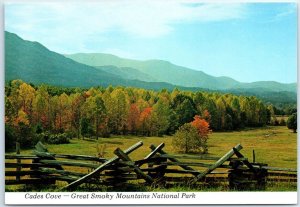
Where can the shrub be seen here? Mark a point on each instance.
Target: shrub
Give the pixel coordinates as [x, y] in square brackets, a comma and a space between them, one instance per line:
[292, 122]
[38, 128]
[58, 139]
[38, 137]
[70, 134]
[46, 137]
[10, 137]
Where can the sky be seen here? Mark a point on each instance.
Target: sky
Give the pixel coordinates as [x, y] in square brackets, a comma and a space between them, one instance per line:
[245, 41]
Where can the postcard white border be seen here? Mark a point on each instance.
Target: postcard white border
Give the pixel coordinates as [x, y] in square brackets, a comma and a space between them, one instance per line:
[179, 198]
[18, 198]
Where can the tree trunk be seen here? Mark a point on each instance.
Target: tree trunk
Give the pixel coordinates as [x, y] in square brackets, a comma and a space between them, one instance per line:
[97, 130]
[186, 145]
[78, 132]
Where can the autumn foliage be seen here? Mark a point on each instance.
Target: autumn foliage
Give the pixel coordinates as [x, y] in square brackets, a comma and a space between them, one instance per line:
[201, 125]
[203, 130]
[100, 112]
[133, 118]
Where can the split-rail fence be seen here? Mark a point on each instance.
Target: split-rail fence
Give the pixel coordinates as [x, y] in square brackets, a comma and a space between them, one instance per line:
[157, 168]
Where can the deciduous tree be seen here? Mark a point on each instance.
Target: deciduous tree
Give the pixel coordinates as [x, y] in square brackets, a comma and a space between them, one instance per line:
[162, 110]
[133, 118]
[186, 139]
[203, 130]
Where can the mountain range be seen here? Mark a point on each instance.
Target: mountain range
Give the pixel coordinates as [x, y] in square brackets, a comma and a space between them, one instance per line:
[164, 71]
[33, 62]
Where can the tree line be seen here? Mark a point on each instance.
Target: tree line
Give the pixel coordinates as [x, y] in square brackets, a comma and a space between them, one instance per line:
[100, 112]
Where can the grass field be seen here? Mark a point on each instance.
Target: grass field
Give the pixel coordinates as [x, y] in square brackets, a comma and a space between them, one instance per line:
[275, 146]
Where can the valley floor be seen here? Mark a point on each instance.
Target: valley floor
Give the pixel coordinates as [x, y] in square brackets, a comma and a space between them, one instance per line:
[276, 146]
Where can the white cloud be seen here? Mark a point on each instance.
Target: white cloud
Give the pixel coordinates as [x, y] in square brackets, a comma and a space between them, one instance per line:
[281, 13]
[143, 18]
[73, 22]
[288, 10]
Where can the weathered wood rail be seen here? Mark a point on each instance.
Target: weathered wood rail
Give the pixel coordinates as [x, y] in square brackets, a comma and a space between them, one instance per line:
[156, 168]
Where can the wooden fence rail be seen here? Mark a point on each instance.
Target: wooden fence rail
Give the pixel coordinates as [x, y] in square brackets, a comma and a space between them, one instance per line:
[156, 168]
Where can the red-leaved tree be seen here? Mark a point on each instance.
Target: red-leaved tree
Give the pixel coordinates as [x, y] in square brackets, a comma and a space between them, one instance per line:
[133, 118]
[203, 130]
[144, 121]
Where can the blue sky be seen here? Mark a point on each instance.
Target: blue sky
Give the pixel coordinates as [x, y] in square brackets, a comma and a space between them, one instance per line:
[246, 41]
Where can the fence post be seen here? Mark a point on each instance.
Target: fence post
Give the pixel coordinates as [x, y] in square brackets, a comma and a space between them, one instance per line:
[18, 161]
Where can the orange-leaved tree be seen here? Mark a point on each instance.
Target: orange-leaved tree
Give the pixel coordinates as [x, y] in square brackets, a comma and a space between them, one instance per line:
[202, 126]
[133, 118]
[145, 121]
[203, 130]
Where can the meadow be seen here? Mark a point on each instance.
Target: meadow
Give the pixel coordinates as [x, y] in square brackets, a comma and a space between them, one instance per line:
[275, 146]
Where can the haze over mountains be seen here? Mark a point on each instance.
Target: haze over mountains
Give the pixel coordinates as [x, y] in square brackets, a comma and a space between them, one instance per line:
[163, 71]
[32, 62]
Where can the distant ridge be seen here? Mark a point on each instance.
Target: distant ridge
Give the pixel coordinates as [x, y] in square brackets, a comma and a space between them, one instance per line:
[164, 71]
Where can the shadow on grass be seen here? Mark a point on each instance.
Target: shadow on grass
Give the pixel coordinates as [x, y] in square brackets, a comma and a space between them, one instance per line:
[103, 141]
[124, 137]
[113, 142]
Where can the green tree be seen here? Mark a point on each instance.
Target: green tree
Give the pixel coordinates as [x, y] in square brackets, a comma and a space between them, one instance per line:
[211, 108]
[100, 113]
[27, 95]
[236, 113]
[221, 107]
[10, 111]
[292, 122]
[77, 101]
[184, 108]
[13, 95]
[23, 129]
[117, 106]
[95, 111]
[199, 101]
[271, 114]
[86, 128]
[41, 107]
[162, 110]
[186, 139]
[63, 118]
